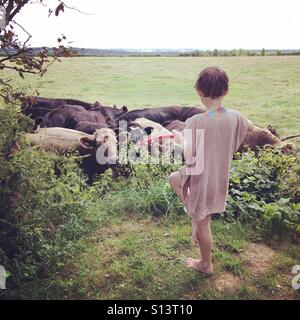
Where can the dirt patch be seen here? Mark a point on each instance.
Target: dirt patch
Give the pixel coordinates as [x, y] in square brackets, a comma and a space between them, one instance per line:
[226, 282]
[258, 258]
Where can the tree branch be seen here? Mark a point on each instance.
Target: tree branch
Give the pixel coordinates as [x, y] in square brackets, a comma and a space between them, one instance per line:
[16, 23]
[76, 9]
[10, 56]
[17, 9]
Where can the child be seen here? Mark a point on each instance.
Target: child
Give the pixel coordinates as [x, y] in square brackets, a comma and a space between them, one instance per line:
[202, 184]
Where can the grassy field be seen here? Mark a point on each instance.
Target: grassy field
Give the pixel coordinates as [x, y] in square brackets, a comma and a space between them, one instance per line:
[132, 257]
[266, 89]
[142, 257]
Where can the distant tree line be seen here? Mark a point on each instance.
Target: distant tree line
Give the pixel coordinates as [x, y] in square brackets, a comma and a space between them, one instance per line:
[86, 52]
[239, 52]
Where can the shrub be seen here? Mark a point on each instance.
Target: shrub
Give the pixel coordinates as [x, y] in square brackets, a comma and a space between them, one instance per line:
[264, 189]
[280, 217]
[45, 205]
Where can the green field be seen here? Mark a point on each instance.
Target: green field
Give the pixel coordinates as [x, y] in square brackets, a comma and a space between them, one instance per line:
[266, 89]
[132, 255]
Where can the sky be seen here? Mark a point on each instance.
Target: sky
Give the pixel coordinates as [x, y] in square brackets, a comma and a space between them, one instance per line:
[143, 24]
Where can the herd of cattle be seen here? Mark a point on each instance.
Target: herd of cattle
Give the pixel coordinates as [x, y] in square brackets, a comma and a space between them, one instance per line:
[67, 123]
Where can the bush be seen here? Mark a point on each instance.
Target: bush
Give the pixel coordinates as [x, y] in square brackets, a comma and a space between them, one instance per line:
[264, 189]
[280, 217]
[45, 205]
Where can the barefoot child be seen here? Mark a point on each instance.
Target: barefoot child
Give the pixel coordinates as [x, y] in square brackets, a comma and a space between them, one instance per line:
[202, 184]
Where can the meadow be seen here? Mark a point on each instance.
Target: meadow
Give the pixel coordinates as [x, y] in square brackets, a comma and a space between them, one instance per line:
[265, 89]
[141, 236]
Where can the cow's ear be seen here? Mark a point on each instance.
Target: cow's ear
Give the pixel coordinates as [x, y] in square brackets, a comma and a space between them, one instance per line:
[87, 142]
[148, 130]
[124, 109]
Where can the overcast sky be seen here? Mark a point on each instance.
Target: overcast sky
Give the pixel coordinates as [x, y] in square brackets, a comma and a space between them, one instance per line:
[209, 24]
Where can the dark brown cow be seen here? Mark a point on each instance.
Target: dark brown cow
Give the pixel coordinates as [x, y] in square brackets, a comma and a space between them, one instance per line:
[69, 116]
[38, 106]
[257, 138]
[162, 115]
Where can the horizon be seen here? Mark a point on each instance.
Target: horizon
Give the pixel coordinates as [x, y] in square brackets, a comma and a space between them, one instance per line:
[177, 49]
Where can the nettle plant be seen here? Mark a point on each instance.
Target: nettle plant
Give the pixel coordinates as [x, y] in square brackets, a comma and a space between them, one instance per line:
[264, 190]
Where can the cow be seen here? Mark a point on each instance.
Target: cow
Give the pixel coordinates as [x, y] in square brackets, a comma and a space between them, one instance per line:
[263, 138]
[70, 116]
[151, 127]
[162, 115]
[38, 106]
[254, 139]
[155, 136]
[99, 150]
[61, 117]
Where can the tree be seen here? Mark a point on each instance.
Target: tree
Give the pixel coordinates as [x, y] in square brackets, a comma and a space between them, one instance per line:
[263, 52]
[18, 55]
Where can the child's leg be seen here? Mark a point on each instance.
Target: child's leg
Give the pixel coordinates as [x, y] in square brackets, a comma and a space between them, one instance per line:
[175, 181]
[202, 235]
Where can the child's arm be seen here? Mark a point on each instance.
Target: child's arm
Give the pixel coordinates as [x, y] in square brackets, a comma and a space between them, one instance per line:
[187, 151]
[244, 126]
[192, 141]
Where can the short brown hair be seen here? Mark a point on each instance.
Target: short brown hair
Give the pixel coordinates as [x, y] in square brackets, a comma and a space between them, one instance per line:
[212, 82]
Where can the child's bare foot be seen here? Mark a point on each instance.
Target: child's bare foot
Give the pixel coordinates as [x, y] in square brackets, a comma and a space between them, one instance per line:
[199, 266]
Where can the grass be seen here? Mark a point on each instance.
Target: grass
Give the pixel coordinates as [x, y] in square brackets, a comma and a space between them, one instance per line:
[134, 256]
[266, 89]
[131, 257]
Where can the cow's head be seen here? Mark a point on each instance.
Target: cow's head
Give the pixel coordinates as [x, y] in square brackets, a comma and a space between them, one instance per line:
[287, 148]
[127, 131]
[103, 143]
[120, 111]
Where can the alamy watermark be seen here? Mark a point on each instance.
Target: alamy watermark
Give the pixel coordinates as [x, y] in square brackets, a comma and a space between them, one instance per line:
[135, 147]
[296, 279]
[2, 278]
[162, 146]
[2, 17]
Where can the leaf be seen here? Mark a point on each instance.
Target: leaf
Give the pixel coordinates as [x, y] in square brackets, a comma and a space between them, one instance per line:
[59, 8]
